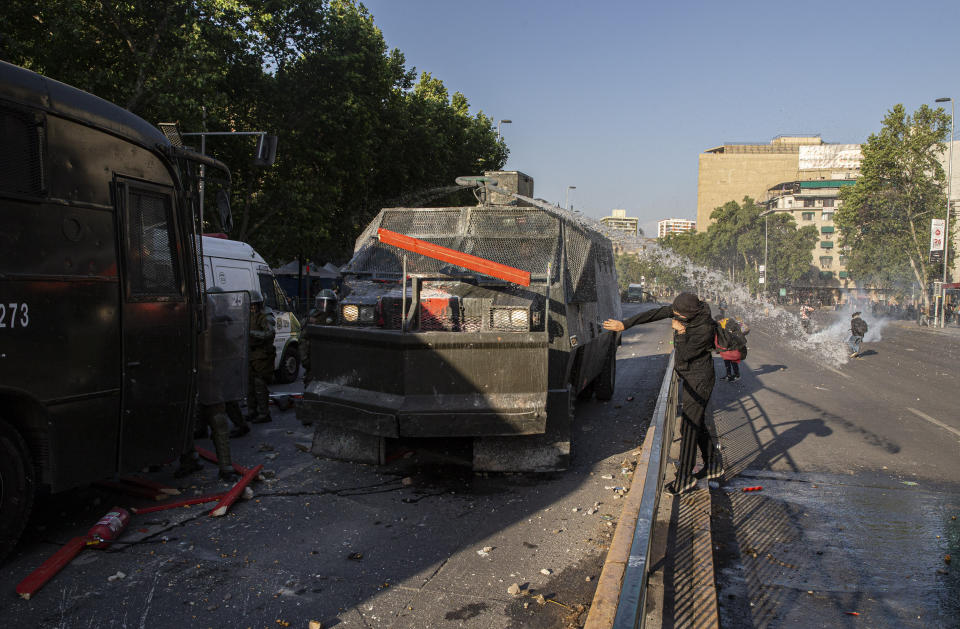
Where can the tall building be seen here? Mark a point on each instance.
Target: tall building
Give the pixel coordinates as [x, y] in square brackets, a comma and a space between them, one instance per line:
[619, 221]
[733, 171]
[675, 226]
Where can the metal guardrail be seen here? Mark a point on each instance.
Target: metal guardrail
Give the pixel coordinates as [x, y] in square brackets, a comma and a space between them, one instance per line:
[633, 593]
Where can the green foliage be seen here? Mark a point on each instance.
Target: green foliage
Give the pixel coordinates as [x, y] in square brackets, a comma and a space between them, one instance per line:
[356, 131]
[632, 268]
[885, 216]
[734, 243]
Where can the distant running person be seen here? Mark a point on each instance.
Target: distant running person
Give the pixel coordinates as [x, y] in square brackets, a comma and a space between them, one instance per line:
[858, 329]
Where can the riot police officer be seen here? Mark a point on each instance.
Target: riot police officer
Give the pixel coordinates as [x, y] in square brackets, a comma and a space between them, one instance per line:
[314, 317]
[263, 330]
[223, 353]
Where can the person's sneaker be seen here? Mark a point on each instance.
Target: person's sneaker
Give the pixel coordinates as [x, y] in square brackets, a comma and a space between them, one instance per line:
[261, 419]
[727, 378]
[673, 489]
[734, 378]
[239, 431]
[853, 355]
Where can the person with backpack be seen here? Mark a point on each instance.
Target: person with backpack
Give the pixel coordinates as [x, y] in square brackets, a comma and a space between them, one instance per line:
[694, 333]
[858, 329]
[731, 342]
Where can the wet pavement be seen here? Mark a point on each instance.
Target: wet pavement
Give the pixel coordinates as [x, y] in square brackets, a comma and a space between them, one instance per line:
[860, 470]
[420, 542]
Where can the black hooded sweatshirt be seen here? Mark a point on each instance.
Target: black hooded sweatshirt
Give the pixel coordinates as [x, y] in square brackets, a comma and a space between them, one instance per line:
[694, 347]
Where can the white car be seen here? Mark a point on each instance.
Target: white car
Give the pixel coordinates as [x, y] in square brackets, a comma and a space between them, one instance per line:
[234, 265]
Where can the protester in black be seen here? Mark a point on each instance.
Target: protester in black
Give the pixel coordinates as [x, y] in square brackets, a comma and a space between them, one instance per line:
[693, 342]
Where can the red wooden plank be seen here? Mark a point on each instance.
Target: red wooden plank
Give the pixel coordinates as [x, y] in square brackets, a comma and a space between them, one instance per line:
[149, 484]
[181, 503]
[210, 456]
[459, 258]
[224, 505]
[38, 578]
[132, 490]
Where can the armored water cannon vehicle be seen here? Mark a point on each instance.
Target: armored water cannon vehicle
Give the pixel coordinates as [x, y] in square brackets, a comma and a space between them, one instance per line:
[481, 322]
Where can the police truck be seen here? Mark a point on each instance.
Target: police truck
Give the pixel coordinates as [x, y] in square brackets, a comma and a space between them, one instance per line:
[100, 291]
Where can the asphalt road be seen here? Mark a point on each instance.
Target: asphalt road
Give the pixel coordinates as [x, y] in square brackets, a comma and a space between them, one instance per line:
[353, 545]
[860, 470]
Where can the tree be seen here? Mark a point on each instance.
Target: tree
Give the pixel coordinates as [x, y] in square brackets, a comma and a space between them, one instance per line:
[356, 130]
[734, 243]
[885, 217]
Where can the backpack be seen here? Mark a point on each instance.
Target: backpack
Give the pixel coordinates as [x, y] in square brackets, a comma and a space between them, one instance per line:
[729, 337]
[859, 327]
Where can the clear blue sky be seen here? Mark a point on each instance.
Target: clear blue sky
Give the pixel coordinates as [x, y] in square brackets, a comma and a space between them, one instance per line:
[618, 98]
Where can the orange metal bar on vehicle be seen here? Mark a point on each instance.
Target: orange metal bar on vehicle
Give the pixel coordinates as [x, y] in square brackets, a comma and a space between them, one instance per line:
[459, 258]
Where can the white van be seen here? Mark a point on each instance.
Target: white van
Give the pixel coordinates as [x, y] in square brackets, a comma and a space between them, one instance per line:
[234, 265]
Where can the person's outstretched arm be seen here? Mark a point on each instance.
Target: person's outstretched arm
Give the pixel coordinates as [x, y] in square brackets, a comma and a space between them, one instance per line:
[654, 314]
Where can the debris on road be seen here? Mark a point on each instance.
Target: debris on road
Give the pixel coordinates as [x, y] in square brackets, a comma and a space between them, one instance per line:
[514, 590]
[755, 488]
[546, 571]
[117, 577]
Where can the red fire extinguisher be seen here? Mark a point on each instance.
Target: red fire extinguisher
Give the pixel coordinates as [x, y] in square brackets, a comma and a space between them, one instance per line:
[108, 528]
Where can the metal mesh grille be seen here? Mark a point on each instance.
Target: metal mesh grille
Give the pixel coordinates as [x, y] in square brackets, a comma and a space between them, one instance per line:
[21, 153]
[151, 270]
[581, 266]
[525, 239]
[509, 319]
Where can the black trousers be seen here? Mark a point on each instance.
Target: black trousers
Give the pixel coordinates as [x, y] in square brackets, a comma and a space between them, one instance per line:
[733, 367]
[694, 435]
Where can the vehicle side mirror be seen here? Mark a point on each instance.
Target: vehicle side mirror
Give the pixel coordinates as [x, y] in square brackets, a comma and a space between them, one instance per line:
[266, 151]
[223, 210]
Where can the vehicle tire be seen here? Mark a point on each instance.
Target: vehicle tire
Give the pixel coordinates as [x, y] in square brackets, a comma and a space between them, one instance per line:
[289, 367]
[605, 382]
[16, 487]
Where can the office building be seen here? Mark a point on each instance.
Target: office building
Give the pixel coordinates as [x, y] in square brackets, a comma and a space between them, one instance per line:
[675, 226]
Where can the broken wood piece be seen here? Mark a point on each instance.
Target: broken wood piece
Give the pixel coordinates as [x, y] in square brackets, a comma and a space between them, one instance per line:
[39, 577]
[149, 484]
[132, 490]
[210, 456]
[181, 503]
[224, 505]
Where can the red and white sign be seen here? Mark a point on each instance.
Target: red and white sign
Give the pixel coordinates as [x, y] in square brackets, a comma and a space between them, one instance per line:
[937, 226]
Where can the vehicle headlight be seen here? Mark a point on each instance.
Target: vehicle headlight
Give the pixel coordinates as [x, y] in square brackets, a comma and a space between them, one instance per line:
[351, 312]
[367, 314]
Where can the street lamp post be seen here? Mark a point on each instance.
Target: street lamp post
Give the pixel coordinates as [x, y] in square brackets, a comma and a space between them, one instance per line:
[500, 122]
[946, 224]
[566, 197]
[765, 267]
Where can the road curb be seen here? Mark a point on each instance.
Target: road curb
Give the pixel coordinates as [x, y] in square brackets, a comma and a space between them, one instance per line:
[603, 609]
